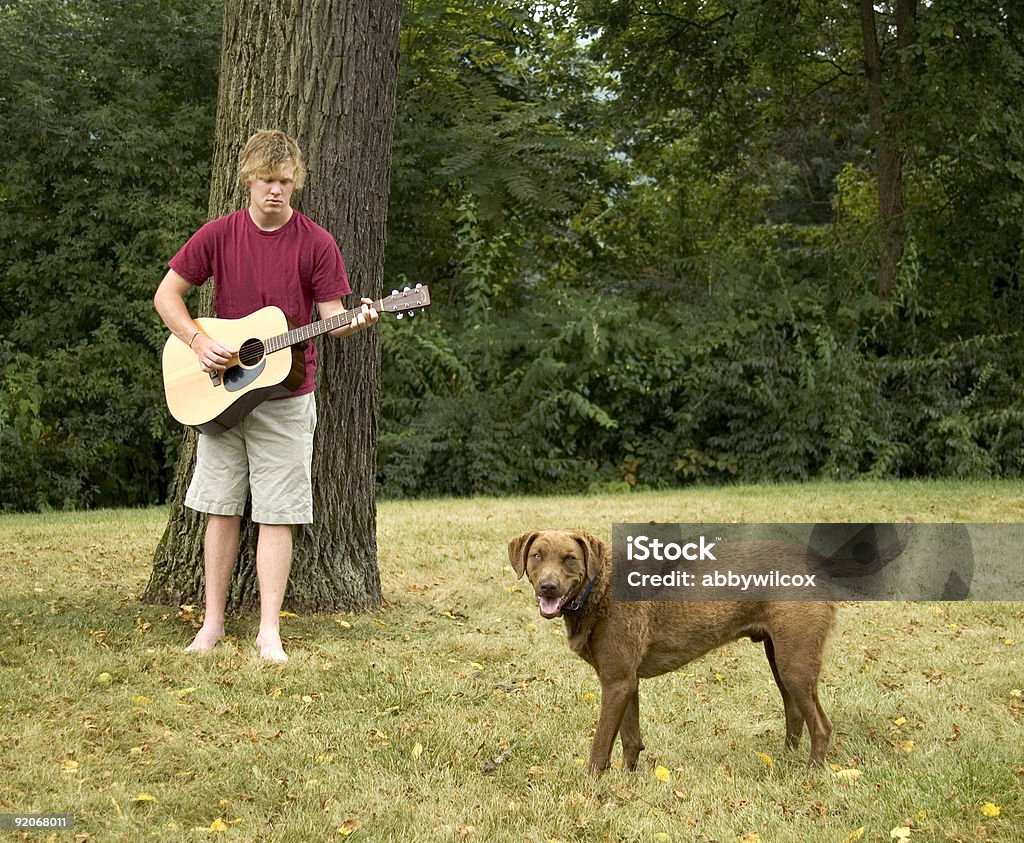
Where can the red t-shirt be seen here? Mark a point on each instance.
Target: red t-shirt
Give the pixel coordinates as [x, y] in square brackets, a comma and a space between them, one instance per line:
[292, 267]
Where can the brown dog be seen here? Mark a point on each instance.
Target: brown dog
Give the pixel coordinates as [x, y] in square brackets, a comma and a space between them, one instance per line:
[627, 641]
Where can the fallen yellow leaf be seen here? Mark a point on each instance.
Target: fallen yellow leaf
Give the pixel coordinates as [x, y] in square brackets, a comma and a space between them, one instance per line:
[990, 809]
[901, 832]
[417, 750]
[847, 776]
[218, 826]
[854, 835]
[145, 797]
[285, 614]
[141, 700]
[69, 768]
[662, 774]
[899, 721]
[766, 759]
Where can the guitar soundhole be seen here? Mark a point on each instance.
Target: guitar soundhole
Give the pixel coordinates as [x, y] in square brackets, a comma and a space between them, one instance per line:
[251, 352]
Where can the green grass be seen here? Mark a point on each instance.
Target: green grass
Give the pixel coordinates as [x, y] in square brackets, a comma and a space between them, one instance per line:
[456, 713]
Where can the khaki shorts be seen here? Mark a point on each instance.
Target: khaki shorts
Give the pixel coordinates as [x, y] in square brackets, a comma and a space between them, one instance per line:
[270, 454]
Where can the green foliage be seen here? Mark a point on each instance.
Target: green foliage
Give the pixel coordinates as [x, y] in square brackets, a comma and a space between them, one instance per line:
[599, 392]
[489, 115]
[650, 231]
[753, 359]
[106, 131]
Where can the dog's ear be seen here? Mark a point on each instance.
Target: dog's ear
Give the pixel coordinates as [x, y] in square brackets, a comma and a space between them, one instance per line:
[518, 549]
[593, 553]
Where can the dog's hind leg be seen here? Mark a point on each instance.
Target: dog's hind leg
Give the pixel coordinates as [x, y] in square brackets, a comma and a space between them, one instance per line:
[794, 719]
[799, 670]
[821, 731]
[629, 732]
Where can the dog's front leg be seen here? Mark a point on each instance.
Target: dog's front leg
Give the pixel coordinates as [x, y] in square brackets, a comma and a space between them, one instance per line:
[615, 696]
[629, 731]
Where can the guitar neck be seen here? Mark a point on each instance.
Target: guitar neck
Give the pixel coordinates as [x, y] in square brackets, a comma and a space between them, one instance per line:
[315, 329]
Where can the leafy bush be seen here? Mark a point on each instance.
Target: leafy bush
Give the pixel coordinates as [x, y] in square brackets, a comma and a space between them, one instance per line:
[579, 392]
[106, 133]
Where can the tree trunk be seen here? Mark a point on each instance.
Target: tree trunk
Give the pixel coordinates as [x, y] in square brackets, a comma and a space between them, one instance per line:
[886, 121]
[325, 72]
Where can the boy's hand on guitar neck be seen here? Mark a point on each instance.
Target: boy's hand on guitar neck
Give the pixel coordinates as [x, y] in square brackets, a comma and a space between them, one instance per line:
[213, 357]
[366, 317]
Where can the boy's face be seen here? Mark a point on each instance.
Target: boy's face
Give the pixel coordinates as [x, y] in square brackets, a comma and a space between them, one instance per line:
[270, 197]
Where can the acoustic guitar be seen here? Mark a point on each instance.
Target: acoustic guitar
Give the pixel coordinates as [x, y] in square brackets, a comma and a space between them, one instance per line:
[270, 361]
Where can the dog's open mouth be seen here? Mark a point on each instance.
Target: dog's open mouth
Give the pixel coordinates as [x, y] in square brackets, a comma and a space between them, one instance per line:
[551, 607]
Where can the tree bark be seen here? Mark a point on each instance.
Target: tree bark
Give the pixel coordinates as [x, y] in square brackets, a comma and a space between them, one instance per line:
[886, 121]
[324, 72]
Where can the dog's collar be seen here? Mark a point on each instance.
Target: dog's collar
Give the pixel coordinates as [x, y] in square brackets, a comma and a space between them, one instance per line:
[579, 602]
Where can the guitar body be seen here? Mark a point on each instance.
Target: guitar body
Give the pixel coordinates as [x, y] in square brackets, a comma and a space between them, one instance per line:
[270, 361]
[215, 404]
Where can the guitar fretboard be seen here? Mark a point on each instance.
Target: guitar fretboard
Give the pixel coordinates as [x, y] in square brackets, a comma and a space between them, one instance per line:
[315, 329]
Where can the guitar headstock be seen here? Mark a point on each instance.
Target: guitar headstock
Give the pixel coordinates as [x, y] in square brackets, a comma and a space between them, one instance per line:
[408, 301]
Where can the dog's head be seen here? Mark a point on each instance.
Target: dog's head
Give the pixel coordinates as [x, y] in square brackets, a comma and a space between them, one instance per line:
[558, 563]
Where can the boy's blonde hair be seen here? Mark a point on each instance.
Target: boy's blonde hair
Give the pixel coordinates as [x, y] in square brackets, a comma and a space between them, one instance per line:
[266, 153]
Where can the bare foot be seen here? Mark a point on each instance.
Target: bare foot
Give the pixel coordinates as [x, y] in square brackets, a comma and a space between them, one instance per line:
[270, 647]
[206, 639]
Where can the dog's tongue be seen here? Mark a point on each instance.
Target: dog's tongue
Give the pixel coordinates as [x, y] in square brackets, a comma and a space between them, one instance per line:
[549, 606]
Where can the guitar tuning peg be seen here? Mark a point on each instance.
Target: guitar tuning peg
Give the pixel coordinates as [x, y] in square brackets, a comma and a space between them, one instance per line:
[412, 313]
[394, 292]
[406, 290]
[419, 286]
[399, 315]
